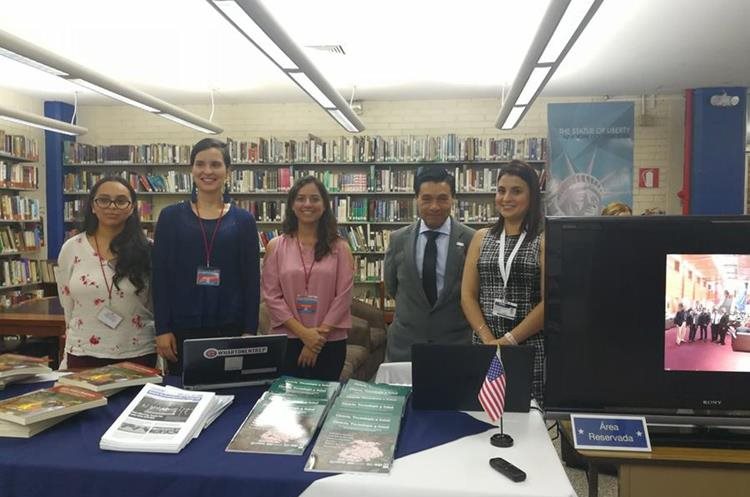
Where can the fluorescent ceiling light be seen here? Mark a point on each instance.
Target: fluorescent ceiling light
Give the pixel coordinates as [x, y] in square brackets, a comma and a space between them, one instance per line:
[111, 94]
[343, 121]
[110, 87]
[254, 33]
[513, 117]
[306, 84]
[571, 20]
[266, 34]
[29, 62]
[185, 123]
[28, 119]
[533, 84]
[559, 28]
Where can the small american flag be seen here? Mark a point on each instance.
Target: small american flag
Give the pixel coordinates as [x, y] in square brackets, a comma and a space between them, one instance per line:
[492, 393]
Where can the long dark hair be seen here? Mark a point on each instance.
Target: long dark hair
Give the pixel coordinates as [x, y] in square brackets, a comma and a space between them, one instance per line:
[532, 221]
[130, 246]
[327, 226]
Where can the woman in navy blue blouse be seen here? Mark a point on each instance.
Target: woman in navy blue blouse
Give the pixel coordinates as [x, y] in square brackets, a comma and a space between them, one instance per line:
[206, 272]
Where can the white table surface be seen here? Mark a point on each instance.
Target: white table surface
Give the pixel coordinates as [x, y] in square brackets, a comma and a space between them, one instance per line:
[461, 468]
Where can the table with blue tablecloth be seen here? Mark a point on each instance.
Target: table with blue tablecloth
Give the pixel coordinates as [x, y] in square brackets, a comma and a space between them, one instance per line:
[438, 453]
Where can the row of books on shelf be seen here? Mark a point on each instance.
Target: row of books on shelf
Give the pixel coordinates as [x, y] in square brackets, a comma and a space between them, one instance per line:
[18, 208]
[154, 153]
[361, 240]
[19, 145]
[14, 272]
[358, 241]
[171, 181]
[15, 239]
[347, 149]
[377, 180]
[450, 147]
[367, 268]
[372, 297]
[73, 210]
[346, 210]
[484, 179]
[18, 175]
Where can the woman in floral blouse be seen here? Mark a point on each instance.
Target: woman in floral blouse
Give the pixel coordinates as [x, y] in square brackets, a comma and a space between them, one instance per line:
[103, 282]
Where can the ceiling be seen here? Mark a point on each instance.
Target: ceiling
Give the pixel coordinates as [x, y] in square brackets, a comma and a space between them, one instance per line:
[181, 50]
[724, 268]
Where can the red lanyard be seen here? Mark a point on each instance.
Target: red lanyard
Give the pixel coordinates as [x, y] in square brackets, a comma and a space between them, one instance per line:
[101, 266]
[304, 267]
[209, 247]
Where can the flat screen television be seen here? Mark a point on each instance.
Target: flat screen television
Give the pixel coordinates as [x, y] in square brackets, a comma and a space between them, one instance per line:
[613, 286]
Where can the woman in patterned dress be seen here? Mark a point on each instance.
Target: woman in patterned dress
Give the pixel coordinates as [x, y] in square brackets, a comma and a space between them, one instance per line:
[103, 282]
[502, 298]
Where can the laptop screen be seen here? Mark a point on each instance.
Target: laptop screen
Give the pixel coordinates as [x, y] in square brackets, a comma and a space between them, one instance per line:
[448, 377]
[232, 361]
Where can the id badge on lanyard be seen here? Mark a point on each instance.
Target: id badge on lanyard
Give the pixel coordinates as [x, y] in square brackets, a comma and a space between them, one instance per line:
[307, 304]
[502, 307]
[208, 275]
[109, 317]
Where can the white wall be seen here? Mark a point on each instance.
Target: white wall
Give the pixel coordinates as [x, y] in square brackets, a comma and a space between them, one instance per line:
[659, 145]
[25, 103]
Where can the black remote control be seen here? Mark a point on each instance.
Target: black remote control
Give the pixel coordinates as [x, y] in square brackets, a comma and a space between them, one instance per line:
[502, 466]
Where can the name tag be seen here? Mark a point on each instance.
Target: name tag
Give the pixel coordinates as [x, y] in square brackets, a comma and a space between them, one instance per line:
[208, 276]
[592, 432]
[109, 317]
[504, 309]
[307, 304]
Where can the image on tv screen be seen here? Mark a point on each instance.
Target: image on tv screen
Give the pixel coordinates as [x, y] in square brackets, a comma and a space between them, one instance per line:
[707, 317]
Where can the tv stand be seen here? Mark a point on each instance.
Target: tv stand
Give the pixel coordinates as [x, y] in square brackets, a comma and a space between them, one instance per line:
[684, 471]
[699, 437]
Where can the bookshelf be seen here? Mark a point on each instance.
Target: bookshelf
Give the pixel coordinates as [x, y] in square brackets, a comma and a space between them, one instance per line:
[21, 227]
[370, 181]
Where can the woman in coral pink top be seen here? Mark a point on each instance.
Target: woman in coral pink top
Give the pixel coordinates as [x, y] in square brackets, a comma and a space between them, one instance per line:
[306, 284]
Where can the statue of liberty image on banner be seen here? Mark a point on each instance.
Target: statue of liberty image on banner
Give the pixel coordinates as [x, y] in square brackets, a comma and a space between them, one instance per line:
[591, 157]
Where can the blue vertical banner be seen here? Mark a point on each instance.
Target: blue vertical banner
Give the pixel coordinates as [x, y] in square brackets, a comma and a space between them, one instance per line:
[591, 157]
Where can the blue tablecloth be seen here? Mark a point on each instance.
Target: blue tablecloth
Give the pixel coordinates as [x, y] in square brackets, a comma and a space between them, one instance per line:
[66, 460]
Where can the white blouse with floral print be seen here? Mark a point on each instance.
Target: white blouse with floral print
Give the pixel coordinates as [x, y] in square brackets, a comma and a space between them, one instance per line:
[83, 294]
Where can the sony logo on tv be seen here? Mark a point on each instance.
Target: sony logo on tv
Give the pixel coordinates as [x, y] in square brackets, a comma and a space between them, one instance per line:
[711, 402]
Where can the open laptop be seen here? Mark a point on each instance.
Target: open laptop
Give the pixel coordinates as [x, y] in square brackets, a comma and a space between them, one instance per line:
[448, 377]
[224, 362]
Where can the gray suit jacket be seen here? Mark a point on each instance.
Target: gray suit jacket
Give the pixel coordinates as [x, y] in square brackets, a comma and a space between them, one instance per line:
[415, 321]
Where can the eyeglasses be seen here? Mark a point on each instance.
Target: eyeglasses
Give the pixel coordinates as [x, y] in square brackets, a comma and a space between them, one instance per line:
[119, 203]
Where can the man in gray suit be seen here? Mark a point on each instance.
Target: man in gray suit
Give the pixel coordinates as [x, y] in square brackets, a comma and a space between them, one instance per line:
[423, 269]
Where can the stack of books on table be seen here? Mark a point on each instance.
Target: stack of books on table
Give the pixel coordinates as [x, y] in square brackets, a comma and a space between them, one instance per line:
[14, 367]
[163, 419]
[361, 430]
[26, 415]
[113, 378]
[285, 418]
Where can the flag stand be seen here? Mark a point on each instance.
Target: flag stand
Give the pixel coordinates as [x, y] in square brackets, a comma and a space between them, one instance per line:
[501, 439]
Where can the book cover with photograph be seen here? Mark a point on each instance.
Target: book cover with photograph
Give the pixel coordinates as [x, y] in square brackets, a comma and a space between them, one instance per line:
[355, 442]
[278, 425]
[114, 376]
[49, 403]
